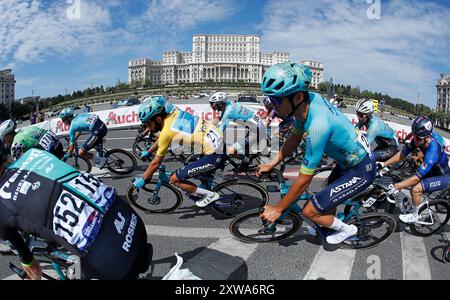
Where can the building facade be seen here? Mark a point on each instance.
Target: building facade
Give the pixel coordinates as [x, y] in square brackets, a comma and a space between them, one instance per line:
[215, 58]
[443, 94]
[317, 71]
[7, 87]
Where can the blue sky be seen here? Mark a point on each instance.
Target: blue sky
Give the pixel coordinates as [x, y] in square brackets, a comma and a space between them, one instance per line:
[400, 51]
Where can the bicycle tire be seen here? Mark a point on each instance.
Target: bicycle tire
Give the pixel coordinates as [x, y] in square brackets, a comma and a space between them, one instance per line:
[446, 256]
[137, 148]
[255, 214]
[191, 158]
[439, 204]
[76, 164]
[134, 202]
[110, 164]
[391, 222]
[239, 204]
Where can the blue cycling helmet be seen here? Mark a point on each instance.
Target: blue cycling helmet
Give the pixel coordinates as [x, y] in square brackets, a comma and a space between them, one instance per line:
[153, 106]
[285, 79]
[65, 113]
[422, 126]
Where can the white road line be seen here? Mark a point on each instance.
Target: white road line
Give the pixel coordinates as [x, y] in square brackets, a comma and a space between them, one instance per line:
[220, 259]
[187, 232]
[414, 258]
[335, 265]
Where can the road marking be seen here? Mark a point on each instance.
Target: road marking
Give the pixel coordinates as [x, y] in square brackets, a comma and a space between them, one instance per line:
[187, 232]
[334, 265]
[414, 258]
[221, 259]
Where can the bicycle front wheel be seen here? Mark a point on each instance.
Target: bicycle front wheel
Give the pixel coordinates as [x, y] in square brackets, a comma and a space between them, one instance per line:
[80, 163]
[239, 196]
[433, 216]
[151, 200]
[373, 228]
[250, 228]
[120, 161]
[138, 147]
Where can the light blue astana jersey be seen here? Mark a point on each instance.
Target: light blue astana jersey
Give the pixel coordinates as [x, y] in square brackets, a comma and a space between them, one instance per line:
[235, 112]
[81, 123]
[329, 131]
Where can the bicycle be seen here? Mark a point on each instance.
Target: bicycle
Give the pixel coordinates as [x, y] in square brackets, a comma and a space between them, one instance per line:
[141, 144]
[163, 197]
[239, 163]
[446, 256]
[118, 161]
[434, 212]
[61, 261]
[250, 228]
[78, 162]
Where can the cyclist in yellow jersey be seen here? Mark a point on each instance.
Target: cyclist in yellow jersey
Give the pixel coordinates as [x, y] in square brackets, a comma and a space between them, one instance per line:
[182, 128]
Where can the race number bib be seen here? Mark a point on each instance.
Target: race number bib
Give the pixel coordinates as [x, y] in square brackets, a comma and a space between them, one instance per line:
[49, 141]
[101, 195]
[73, 218]
[91, 120]
[363, 141]
[256, 119]
[213, 138]
[76, 221]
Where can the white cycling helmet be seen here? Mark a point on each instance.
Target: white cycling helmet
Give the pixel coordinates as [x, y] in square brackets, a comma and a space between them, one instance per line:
[6, 128]
[365, 106]
[218, 97]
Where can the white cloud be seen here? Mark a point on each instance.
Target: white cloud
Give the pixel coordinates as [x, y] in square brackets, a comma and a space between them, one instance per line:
[396, 54]
[30, 32]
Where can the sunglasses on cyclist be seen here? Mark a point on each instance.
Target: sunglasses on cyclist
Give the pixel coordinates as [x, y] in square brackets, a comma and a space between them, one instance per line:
[361, 115]
[277, 100]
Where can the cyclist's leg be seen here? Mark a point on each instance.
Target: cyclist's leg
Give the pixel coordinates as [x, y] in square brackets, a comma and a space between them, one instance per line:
[351, 182]
[98, 132]
[206, 164]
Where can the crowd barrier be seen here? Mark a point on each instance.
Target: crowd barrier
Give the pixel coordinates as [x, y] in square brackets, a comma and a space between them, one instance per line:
[128, 117]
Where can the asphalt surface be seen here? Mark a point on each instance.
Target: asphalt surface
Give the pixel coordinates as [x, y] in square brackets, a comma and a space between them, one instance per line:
[202, 239]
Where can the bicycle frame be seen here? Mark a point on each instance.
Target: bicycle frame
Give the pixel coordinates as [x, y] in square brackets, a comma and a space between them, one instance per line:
[307, 196]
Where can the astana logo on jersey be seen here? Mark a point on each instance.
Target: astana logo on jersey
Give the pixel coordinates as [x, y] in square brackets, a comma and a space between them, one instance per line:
[345, 185]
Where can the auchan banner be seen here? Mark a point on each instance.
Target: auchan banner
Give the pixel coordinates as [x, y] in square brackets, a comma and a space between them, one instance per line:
[128, 116]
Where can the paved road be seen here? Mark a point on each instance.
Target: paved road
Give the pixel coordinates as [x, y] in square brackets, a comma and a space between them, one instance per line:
[204, 242]
[209, 251]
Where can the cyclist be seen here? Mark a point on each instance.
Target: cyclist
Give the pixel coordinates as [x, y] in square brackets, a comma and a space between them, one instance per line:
[377, 131]
[42, 196]
[232, 111]
[7, 132]
[327, 131]
[180, 127]
[85, 123]
[35, 137]
[432, 175]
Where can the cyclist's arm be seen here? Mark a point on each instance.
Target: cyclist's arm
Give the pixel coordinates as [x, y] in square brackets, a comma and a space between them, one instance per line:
[154, 147]
[395, 159]
[153, 167]
[288, 148]
[300, 185]
[410, 182]
[29, 264]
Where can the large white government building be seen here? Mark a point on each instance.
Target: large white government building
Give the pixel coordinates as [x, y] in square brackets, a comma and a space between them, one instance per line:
[7, 87]
[443, 94]
[215, 58]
